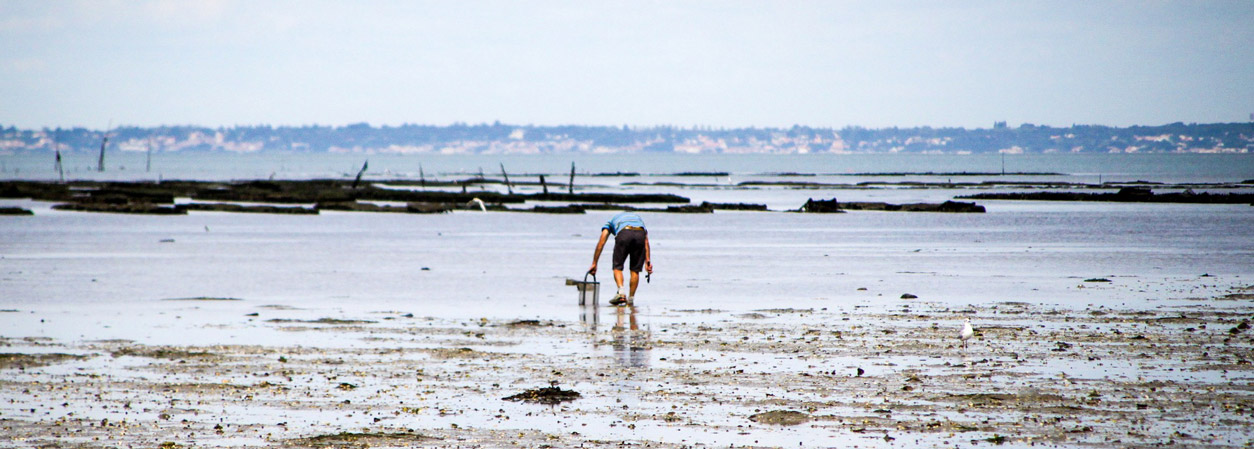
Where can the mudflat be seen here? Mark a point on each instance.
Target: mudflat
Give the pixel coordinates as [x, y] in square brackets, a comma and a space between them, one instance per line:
[835, 374]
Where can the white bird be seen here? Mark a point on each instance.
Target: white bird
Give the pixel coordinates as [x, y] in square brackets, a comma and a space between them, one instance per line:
[477, 202]
[967, 332]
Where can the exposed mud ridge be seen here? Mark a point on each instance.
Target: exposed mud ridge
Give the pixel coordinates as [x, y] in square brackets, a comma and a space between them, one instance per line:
[23, 361]
[359, 440]
[1124, 195]
[328, 320]
[892, 376]
[159, 353]
[781, 417]
[547, 395]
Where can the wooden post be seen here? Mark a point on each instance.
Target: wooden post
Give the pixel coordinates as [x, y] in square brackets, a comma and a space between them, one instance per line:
[103, 142]
[60, 168]
[571, 186]
[544, 185]
[362, 172]
[422, 177]
[508, 187]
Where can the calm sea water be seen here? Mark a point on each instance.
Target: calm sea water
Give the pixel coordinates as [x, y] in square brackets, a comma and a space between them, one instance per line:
[223, 166]
[514, 265]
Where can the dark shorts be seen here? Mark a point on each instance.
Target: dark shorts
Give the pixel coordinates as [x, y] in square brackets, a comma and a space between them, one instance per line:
[629, 242]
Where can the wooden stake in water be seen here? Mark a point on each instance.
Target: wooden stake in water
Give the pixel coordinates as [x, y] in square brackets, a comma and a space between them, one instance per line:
[362, 172]
[103, 142]
[508, 186]
[544, 185]
[148, 161]
[56, 146]
[422, 177]
[571, 187]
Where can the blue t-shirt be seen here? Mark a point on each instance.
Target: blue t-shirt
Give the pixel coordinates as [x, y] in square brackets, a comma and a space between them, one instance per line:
[622, 220]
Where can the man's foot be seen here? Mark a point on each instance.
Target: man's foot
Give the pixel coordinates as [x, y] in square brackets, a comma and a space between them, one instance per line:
[618, 300]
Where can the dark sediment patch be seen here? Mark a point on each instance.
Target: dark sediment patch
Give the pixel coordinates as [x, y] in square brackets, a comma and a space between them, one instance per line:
[15, 211]
[361, 440]
[1021, 400]
[572, 209]
[41, 191]
[526, 323]
[703, 208]
[834, 206]
[547, 395]
[415, 207]
[614, 174]
[788, 310]
[320, 321]
[735, 206]
[701, 173]
[781, 417]
[127, 208]
[238, 208]
[453, 353]
[157, 198]
[1126, 194]
[418, 207]
[812, 205]
[607, 197]
[948, 206]
[161, 353]
[23, 361]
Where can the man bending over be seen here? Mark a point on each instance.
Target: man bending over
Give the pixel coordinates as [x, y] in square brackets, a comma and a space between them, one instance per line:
[631, 239]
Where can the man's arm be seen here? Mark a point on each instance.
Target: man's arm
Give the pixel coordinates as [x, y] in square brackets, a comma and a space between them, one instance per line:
[596, 255]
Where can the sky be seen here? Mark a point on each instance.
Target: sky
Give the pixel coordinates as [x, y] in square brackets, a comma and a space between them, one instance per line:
[722, 64]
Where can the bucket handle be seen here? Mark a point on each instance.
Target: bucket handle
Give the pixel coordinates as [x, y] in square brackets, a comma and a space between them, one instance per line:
[585, 277]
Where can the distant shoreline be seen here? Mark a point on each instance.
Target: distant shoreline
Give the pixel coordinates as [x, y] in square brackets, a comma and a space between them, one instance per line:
[499, 138]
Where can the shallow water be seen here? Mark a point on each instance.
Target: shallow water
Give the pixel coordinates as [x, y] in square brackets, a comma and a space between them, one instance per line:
[768, 284]
[469, 264]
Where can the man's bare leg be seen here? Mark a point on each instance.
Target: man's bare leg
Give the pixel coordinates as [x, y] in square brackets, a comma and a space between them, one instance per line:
[635, 282]
[618, 280]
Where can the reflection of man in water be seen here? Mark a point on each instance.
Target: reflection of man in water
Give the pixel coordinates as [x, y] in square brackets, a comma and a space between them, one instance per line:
[630, 345]
[631, 239]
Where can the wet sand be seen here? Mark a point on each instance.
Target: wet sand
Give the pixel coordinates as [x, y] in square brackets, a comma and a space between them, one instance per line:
[888, 374]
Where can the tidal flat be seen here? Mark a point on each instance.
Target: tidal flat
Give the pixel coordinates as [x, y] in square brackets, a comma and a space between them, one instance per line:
[880, 374]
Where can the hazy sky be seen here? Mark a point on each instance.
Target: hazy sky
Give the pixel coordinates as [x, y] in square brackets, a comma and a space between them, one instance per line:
[709, 63]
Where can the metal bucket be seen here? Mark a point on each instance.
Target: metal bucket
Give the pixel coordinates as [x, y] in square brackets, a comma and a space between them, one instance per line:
[589, 292]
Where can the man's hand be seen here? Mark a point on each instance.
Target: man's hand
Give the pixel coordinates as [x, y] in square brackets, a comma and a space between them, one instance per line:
[648, 267]
[593, 270]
